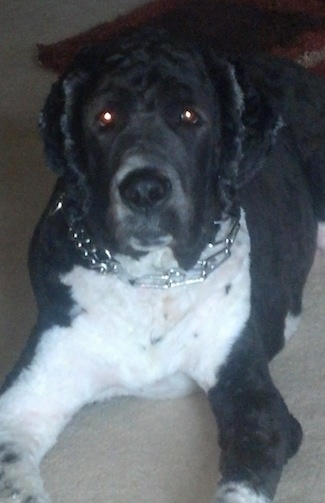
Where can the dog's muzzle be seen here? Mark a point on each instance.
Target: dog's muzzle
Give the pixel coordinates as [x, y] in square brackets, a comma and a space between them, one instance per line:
[149, 204]
[145, 189]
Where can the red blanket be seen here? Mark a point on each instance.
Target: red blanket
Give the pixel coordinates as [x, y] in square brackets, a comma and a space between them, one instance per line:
[291, 28]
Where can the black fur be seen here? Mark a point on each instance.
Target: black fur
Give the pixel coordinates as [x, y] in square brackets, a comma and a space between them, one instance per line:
[258, 144]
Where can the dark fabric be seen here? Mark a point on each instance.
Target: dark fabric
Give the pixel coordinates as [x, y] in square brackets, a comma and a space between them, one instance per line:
[291, 28]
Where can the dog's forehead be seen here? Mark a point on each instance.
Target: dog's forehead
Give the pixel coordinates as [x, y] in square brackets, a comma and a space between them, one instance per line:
[142, 69]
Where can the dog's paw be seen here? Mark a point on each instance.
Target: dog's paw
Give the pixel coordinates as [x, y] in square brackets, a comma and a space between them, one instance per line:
[19, 479]
[235, 492]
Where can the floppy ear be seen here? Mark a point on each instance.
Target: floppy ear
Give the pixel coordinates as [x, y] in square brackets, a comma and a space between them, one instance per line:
[61, 129]
[50, 123]
[249, 125]
[230, 134]
[261, 122]
[59, 120]
[231, 102]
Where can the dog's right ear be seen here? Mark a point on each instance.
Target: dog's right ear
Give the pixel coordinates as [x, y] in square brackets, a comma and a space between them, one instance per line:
[50, 123]
[59, 120]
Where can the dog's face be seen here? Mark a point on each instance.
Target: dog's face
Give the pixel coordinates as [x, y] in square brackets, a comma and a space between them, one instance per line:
[149, 128]
[143, 131]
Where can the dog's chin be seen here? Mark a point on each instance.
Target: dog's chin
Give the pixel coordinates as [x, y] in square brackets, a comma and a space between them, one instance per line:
[161, 252]
[147, 244]
[143, 258]
[186, 251]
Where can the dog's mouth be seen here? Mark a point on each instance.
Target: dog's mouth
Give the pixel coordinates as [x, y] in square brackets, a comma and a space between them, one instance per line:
[150, 242]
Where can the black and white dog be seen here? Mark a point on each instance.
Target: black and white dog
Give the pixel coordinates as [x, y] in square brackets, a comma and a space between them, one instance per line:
[174, 250]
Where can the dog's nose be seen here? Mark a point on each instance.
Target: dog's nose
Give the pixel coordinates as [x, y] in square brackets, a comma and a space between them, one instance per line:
[145, 189]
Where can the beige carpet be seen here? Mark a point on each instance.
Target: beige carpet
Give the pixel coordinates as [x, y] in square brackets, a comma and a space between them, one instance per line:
[127, 450]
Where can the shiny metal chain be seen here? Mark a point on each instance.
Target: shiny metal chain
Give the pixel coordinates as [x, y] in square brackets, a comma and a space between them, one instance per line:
[101, 260]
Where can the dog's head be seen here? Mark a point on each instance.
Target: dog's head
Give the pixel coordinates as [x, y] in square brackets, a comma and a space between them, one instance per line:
[151, 138]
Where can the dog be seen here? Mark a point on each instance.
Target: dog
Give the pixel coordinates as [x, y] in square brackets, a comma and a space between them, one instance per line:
[174, 250]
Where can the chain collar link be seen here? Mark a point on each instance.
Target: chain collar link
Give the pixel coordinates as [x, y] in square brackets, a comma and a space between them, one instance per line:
[201, 270]
[101, 260]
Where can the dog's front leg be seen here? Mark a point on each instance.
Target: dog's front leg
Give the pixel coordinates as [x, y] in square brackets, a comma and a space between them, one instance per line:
[257, 434]
[36, 406]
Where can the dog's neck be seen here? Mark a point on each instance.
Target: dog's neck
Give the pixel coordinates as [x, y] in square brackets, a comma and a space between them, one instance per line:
[157, 269]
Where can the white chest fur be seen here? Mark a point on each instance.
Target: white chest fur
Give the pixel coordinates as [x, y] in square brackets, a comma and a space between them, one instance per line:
[140, 340]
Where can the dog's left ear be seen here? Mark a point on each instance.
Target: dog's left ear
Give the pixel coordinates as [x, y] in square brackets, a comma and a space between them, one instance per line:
[249, 122]
[260, 118]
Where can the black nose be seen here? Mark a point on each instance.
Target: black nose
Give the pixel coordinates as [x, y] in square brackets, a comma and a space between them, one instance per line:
[145, 189]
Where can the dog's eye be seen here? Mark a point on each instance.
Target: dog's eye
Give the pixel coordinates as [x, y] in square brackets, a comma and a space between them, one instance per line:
[107, 118]
[189, 116]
